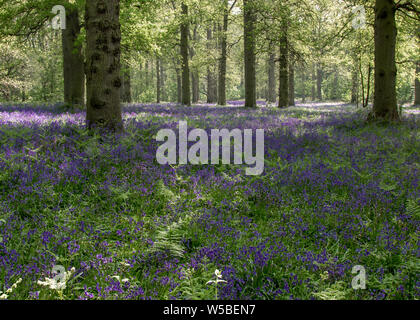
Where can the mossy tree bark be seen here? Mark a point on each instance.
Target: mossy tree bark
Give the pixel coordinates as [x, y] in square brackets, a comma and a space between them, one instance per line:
[271, 94]
[73, 61]
[249, 54]
[284, 68]
[385, 100]
[185, 31]
[103, 50]
[291, 83]
[223, 57]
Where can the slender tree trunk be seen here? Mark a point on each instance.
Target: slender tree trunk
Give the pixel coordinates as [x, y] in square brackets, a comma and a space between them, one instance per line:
[291, 83]
[158, 80]
[284, 69]
[179, 85]
[271, 94]
[313, 83]
[162, 80]
[249, 54]
[417, 86]
[223, 57]
[354, 85]
[195, 77]
[186, 91]
[126, 85]
[334, 93]
[103, 49]
[211, 83]
[319, 76]
[73, 61]
[385, 100]
[303, 85]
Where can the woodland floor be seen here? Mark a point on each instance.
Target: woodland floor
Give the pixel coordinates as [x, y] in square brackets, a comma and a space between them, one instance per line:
[336, 192]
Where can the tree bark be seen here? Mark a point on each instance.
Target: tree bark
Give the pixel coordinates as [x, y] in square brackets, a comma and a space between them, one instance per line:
[249, 54]
[158, 80]
[211, 79]
[385, 99]
[303, 85]
[186, 91]
[354, 86]
[313, 83]
[126, 85]
[223, 57]
[417, 86]
[163, 81]
[73, 61]
[291, 83]
[103, 50]
[284, 69]
[319, 76]
[195, 77]
[271, 94]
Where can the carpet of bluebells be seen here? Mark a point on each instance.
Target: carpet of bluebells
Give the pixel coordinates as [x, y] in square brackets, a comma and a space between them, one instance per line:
[336, 192]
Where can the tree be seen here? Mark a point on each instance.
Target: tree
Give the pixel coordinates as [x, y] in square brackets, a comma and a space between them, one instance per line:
[73, 61]
[249, 54]
[103, 50]
[284, 68]
[186, 91]
[385, 99]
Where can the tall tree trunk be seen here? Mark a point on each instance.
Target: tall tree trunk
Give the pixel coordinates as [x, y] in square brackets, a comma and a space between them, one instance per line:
[303, 85]
[158, 80]
[249, 54]
[284, 68]
[162, 81]
[319, 76]
[223, 57]
[354, 85]
[195, 77]
[179, 85]
[291, 83]
[334, 93]
[186, 91]
[73, 61]
[211, 82]
[126, 85]
[313, 83]
[103, 49]
[385, 100]
[417, 86]
[271, 94]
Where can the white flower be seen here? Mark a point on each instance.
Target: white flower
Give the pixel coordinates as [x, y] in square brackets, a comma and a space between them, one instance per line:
[218, 275]
[59, 282]
[3, 296]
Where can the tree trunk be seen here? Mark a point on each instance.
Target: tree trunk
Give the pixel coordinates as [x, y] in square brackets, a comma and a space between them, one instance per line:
[249, 54]
[303, 85]
[284, 69]
[334, 93]
[211, 83]
[126, 85]
[271, 94]
[179, 85]
[195, 77]
[313, 83]
[417, 86]
[223, 57]
[162, 81]
[73, 61]
[291, 83]
[186, 91]
[103, 49]
[158, 81]
[385, 100]
[354, 86]
[319, 75]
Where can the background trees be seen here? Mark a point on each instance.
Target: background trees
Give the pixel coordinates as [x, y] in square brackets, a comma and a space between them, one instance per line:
[188, 51]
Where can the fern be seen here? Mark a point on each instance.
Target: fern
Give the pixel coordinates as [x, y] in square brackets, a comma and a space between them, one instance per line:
[413, 208]
[168, 239]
